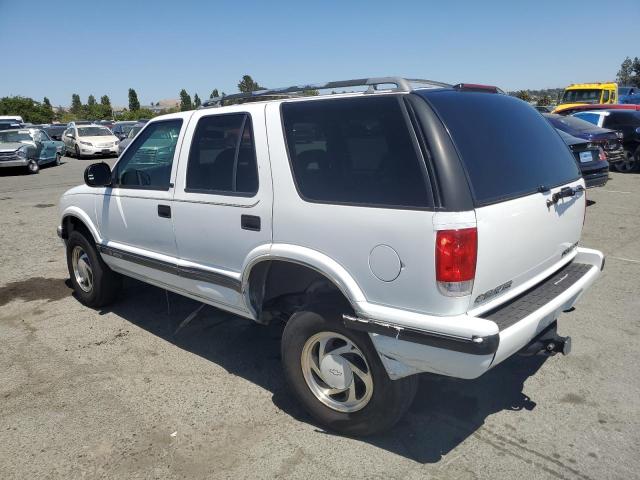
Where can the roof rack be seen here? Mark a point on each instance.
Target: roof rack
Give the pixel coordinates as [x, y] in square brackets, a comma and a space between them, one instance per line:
[401, 85]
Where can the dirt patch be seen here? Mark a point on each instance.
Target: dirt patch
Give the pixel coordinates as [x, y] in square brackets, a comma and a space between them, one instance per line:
[36, 288]
[44, 205]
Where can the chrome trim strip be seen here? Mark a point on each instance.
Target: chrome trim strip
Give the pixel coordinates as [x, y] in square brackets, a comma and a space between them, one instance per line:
[191, 273]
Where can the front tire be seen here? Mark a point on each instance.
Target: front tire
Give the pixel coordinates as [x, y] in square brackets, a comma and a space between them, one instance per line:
[58, 159]
[95, 284]
[33, 167]
[77, 152]
[338, 377]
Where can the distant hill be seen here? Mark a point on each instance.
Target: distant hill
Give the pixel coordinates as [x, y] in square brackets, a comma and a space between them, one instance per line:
[553, 93]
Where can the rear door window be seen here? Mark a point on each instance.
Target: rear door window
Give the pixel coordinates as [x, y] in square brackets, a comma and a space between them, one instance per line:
[507, 148]
[222, 158]
[356, 151]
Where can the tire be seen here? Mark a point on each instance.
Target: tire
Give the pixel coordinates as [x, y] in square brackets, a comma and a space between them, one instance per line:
[77, 152]
[628, 165]
[379, 409]
[104, 283]
[33, 167]
[58, 159]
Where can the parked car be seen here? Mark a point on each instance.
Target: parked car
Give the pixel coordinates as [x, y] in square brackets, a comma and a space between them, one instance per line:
[590, 158]
[29, 148]
[609, 140]
[55, 131]
[12, 118]
[584, 108]
[105, 123]
[121, 129]
[588, 93]
[131, 135]
[75, 123]
[90, 140]
[10, 125]
[625, 121]
[382, 241]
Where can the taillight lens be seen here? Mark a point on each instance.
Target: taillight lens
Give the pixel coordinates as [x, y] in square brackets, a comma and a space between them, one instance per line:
[602, 155]
[456, 253]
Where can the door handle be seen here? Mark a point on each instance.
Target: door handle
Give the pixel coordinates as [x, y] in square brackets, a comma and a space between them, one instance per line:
[250, 222]
[164, 211]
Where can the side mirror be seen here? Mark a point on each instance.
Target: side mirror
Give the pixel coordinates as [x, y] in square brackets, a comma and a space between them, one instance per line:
[98, 175]
[638, 130]
[70, 135]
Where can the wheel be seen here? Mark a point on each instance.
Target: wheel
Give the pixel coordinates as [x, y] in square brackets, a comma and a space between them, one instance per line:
[77, 152]
[338, 377]
[33, 166]
[58, 159]
[95, 284]
[628, 165]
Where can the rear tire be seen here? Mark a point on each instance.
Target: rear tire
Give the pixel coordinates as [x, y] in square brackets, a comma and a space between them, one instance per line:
[628, 165]
[95, 284]
[357, 365]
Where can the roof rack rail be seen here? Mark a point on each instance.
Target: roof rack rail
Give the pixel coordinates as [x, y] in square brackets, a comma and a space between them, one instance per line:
[401, 85]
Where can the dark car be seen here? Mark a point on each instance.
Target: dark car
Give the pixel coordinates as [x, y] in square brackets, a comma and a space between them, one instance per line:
[625, 121]
[121, 129]
[9, 124]
[609, 140]
[591, 160]
[55, 131]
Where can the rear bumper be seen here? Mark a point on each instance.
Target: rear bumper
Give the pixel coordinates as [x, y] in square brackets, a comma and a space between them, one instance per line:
[596, 179]
[405, 348]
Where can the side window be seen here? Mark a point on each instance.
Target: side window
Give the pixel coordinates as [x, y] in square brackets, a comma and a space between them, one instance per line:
[589, 117]
[147, 162]
[354, 151]
[605, 96]
[222, 158]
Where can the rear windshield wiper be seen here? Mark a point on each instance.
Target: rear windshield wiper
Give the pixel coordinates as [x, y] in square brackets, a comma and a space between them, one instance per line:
[564, 193]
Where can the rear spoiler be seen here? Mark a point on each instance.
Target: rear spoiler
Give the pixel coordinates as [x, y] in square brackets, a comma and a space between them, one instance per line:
[476, 87]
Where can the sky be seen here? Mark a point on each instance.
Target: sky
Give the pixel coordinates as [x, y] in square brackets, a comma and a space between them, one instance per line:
[55, 49]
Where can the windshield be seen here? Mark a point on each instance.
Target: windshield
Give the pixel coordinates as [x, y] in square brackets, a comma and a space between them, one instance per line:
[508, 150]
[571, 125]
[133, 132]
[93, 132]
[581, 96]
[13, 136]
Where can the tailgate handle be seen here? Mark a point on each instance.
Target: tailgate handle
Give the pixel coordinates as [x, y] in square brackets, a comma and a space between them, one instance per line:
[564, 193]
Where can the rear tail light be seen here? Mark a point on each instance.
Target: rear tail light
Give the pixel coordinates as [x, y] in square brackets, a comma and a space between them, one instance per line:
[456, 254]
[602, 155]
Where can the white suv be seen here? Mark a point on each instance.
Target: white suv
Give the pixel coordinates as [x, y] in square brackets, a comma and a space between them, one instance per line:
[396, 231]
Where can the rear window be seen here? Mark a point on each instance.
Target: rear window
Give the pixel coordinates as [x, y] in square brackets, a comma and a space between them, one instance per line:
[507, 148]
[354, 151]
[571, 125]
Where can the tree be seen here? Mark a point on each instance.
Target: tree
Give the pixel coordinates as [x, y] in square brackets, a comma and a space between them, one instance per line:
[30, 110]
[247, 84]
[625, 73]
[76, 104]
[185, 101]
[196, 101]
[544, 101]
[46, 102]
[91, 101]
[134, 104]
[635, 79]
[310, 93]
[214, 93]
[523, 95]
[104, 100]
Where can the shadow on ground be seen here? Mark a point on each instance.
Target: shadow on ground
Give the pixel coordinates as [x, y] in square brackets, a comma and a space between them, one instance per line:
[445, 412]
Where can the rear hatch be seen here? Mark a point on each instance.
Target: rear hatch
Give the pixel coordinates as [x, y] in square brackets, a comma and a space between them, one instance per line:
[514, 162]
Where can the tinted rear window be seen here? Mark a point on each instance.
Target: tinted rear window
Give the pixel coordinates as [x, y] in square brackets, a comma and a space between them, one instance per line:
[354, 151]
[507, 148]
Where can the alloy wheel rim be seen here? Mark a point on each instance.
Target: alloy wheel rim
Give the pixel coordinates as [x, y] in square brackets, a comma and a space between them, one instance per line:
[336, 372]
[82, 270]
[33, 166]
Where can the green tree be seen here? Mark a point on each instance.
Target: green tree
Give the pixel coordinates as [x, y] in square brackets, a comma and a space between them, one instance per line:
[310, 93]
[523, 95]
[214, 93]
[91, 101]
[46, 102]
[196, 101]
[248, 84]
[185, 101]
[134, 104]
[625, 73]
[104, 100]
[544, 101]
[635, 79]
[30, 110]
[76, 104]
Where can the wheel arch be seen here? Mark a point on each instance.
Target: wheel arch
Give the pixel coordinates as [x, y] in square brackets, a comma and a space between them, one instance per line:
[297, 261]
[76, 219]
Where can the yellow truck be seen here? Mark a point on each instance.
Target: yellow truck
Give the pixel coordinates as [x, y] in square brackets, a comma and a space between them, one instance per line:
[588, 93]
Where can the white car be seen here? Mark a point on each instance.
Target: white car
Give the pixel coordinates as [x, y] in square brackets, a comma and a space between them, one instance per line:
[90, 141]
[396, 231]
